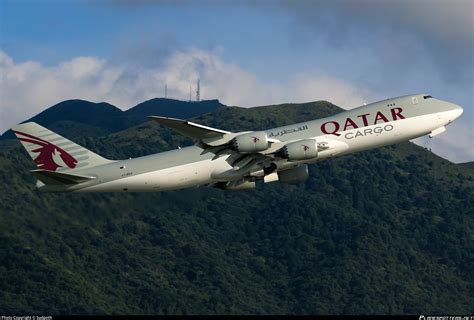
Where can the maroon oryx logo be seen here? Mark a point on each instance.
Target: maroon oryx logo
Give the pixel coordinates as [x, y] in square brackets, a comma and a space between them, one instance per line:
[255, 139]
[305, 147]
[47, 152]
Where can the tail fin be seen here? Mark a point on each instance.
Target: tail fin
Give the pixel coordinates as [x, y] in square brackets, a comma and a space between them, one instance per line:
[52, 152]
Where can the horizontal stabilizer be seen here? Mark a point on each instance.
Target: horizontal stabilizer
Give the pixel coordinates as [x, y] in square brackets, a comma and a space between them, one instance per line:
[58, 178]
[189, 129]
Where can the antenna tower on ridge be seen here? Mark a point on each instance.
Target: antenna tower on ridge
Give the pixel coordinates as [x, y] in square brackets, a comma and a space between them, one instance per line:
[198, 91]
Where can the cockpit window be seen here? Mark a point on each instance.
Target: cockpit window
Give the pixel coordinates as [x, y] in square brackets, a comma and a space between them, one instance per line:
[427, 97]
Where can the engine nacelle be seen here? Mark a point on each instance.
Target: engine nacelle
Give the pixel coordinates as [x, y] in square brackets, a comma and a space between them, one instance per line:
[294, 175]
[251, 142]
[300, 150]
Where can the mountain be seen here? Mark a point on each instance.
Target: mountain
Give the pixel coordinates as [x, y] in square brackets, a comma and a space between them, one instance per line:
[79, 118]
[83, 118]
[468, 165]
[387, 231]
[171, 108]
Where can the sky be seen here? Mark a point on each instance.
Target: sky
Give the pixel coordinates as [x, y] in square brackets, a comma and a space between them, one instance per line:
[245, 53]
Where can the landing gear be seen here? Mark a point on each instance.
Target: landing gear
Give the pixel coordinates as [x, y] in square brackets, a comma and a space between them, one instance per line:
[270, 169]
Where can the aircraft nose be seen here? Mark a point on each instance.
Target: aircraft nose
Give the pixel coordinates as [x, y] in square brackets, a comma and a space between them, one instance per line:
[456, 111]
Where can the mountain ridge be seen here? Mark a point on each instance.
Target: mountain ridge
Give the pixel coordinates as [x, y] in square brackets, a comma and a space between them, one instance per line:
[103, 118]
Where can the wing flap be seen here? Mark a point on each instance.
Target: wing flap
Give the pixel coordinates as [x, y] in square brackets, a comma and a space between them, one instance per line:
[59, 178]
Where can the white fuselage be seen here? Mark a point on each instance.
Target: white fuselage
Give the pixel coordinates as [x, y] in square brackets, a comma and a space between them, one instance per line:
[202, 169]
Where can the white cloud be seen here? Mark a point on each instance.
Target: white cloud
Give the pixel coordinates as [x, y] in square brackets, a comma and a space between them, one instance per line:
[309, 87]
[29, 87]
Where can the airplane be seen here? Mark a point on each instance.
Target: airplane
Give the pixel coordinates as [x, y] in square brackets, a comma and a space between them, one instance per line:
[234, 160]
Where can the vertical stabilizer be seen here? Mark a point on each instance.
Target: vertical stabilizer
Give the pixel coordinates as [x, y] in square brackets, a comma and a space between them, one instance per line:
[52, 152]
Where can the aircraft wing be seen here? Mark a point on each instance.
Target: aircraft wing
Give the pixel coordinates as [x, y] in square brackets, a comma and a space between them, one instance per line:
[190, 129]
[218, 142]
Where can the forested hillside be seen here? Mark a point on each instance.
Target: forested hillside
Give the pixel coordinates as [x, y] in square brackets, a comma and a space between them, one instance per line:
[385, 231]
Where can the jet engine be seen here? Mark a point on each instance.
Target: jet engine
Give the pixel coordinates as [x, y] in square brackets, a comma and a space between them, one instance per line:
[250, 142]
[294, 175]
[300, 150]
